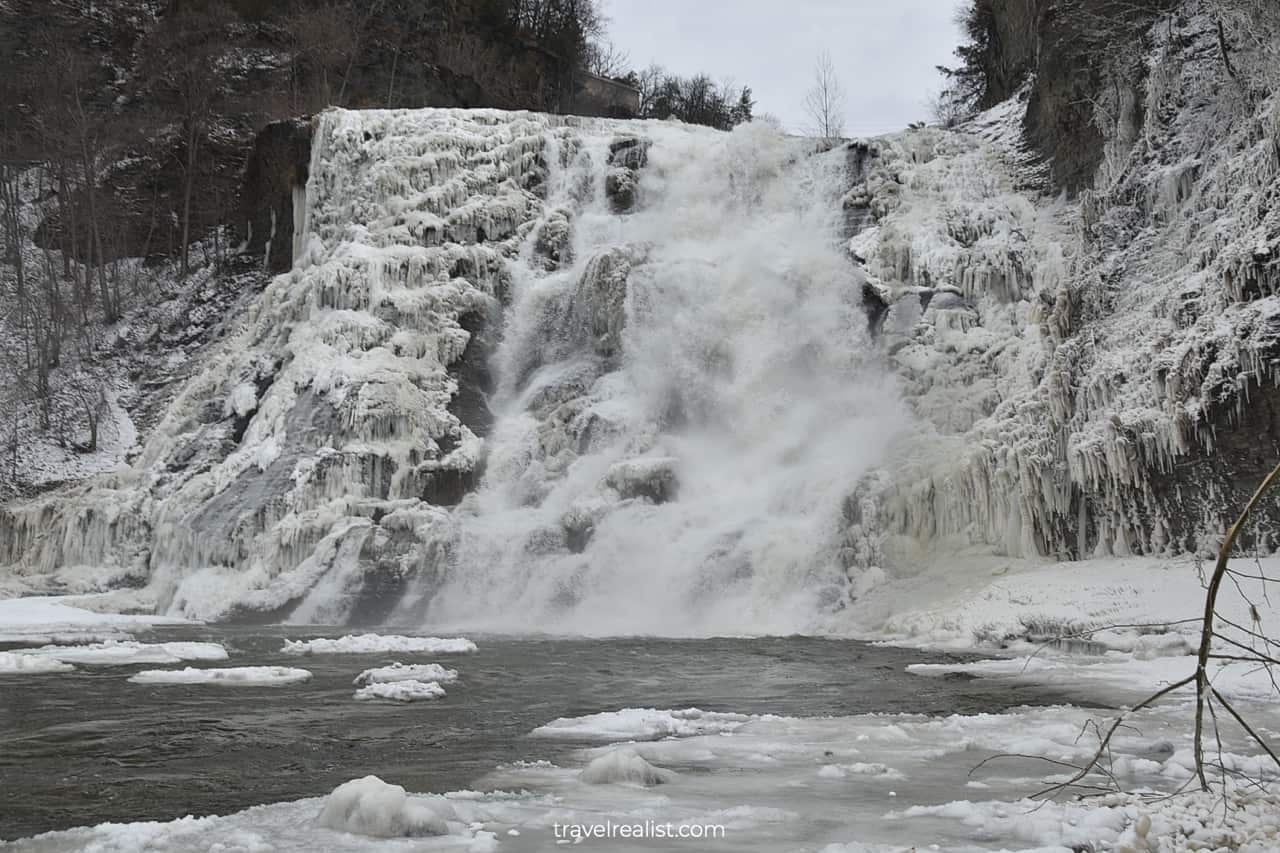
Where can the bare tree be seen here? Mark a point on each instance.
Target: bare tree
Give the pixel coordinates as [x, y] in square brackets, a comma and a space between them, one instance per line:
[184, 49]
[605, 59]
[824, 102]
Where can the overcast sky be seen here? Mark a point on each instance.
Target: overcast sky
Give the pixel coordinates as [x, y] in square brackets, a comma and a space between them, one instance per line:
[884, 51]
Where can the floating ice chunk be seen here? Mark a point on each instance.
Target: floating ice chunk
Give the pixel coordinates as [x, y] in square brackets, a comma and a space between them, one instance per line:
[842, 771]
[368, 644]
[624, 766]
[127, 652]
[645, 724]
[15, 663]
[370, 806]
[401, 691]
[241, 675]
[406, 672]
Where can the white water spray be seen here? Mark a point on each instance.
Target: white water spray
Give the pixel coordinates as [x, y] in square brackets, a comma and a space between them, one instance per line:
[690, 480]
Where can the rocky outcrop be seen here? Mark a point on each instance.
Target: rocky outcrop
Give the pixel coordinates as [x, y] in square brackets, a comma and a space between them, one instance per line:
[273, 193]
[1097, 375]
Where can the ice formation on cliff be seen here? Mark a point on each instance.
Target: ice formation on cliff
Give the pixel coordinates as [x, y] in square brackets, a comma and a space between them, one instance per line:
[1083, 369]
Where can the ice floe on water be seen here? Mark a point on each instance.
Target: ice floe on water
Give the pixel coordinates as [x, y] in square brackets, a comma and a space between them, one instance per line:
[401, 691]
[644, 724]
[15, 663]
[366, 644]
[406, 672]
[127, 652]
[239, 675]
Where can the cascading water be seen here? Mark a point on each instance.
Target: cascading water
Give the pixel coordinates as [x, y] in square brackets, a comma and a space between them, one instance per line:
[686, 394]
[685, 399]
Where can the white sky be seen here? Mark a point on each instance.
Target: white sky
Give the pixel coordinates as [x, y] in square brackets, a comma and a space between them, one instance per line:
[884, 51]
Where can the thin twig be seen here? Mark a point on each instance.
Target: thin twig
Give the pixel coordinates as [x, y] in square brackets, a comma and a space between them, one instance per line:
[1239, 719]
[1084, 771]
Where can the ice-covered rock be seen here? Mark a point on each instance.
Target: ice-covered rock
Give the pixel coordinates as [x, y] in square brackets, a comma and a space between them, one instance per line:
[626, 767]
[372, 807]
[653, 478]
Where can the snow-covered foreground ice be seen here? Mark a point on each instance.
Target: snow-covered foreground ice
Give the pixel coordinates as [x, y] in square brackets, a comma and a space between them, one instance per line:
[128, 652]
[54, 619]
[407, 690]
[767, 785]
[367, 644]
[240, 675]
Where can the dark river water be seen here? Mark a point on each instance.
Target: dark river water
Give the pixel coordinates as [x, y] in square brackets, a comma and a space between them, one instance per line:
[86, 747]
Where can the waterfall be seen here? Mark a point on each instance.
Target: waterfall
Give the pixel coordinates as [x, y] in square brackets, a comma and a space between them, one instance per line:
[528, 372]
[687, 395]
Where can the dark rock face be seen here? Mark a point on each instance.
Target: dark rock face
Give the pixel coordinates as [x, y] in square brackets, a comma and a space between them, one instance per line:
[277, 168]
[470, 404]
[1066, 48]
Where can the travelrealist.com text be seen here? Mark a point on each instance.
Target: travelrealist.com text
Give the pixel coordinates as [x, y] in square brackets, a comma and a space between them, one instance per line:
[576, 833]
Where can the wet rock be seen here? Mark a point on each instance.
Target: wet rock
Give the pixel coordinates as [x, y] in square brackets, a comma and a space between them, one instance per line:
[627, 156]
[598, 309]
[551, 243]
[653, 478]
[620, 186]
